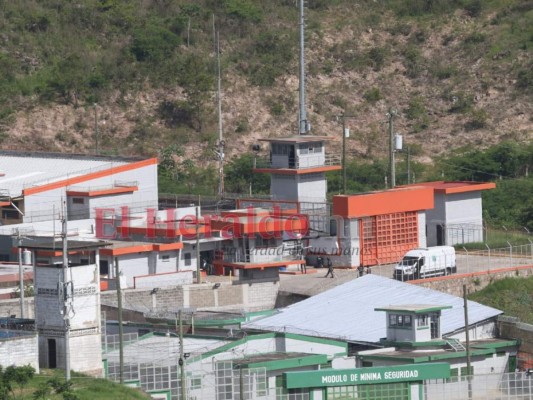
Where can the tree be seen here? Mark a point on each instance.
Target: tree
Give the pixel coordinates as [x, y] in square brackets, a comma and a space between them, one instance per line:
[239, 176]
[196, 77]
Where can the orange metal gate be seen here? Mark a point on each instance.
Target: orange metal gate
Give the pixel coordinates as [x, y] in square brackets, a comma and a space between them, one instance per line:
[386, 238]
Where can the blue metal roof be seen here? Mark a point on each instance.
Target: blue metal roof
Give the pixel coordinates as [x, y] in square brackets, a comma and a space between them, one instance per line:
[347, 312]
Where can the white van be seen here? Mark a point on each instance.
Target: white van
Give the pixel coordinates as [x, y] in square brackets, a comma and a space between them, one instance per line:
[422, 263]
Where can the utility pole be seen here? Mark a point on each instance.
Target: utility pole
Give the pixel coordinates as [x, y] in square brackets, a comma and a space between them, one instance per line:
[67, 299]
[345, 134]
[95, 129]
[467, 334]
[303, 123]
[21, 275]
[120, 327]
[198, 261]
[408, 165]
[181, 361]
[221, 142]
[390, 116]
[343, 155]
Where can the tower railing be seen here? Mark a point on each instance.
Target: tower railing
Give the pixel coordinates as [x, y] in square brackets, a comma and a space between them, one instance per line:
[300, 162]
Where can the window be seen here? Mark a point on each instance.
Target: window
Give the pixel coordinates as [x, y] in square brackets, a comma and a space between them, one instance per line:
[400, 320]
[10, 214]
[165, 258]
[465, 372]
[78, 200]
[187, 258]
[422, 320]
[264, 242]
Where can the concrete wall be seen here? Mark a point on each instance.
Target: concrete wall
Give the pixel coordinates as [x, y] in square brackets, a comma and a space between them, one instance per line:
[312, 187]
[453, 284]
[510, 327]
[434, 217]
[283, 187]
[20, 351]
[249, 297]
[422, 239]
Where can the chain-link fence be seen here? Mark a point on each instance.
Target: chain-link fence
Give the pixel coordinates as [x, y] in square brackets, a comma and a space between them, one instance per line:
[515, 386]
[494, 258]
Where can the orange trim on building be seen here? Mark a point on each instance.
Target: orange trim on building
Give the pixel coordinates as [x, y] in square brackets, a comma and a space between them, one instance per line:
[266, 225]
[187, 230]
[386, 202]
[119, 251]
[276, 264]
[452, 187]
[90, 176]
[168, 246]
[294, 171]
[95, 193]
[5, 203]
[141, 248]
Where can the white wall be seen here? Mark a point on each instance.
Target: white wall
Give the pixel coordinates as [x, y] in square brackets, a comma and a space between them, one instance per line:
[283, 187]
[422, 240]
[20, 351]
[312, 187]
[42, 204]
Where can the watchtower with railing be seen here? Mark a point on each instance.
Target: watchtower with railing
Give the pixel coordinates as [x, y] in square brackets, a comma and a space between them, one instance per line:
[297, 166]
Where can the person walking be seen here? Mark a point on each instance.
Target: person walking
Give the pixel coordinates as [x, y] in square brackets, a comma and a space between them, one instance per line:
[330, 269]
[361, 269]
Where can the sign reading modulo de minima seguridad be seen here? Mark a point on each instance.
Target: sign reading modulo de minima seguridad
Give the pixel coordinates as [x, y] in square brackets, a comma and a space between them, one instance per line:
[366, 376]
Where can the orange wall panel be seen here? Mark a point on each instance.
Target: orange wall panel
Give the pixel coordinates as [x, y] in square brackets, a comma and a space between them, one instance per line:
[386, 202]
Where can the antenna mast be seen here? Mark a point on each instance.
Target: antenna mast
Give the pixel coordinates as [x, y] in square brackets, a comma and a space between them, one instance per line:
[304, 126]
[221, 142]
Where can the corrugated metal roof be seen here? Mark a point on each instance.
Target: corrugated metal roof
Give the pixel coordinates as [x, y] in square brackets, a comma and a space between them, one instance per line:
[163, 349]
[25, 171]
[347, 311]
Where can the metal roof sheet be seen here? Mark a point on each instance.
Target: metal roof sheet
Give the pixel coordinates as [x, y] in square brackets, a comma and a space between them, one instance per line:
[26, 171]
[347, 311]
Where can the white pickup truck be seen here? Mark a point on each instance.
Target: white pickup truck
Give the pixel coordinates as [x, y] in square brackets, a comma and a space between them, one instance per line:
[422, 263]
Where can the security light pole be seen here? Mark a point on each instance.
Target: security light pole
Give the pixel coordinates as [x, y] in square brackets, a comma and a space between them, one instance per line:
[21, 275]
[345, 133]
[66, 293]
[390, 116]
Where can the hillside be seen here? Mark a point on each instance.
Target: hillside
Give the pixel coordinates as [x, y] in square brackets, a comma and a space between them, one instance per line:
[142, 73]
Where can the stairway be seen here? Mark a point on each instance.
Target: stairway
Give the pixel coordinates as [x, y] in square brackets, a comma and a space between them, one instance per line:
[455, 344]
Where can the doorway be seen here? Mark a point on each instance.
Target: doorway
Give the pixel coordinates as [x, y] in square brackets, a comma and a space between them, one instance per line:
[52, 353]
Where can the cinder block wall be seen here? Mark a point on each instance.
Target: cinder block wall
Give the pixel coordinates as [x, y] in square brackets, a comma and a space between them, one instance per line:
[227, 297]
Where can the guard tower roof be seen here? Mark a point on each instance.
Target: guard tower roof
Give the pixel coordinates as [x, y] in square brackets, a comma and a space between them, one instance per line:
[298, 139]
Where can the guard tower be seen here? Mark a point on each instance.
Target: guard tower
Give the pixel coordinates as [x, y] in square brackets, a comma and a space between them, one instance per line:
[297, 166]
[413, 322]
[67, 311]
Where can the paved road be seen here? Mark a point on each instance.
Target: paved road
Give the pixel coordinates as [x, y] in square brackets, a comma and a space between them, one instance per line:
[314, 282]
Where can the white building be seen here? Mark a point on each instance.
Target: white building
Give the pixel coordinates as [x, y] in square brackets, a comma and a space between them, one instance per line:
[34, 185]
[67, 311]
[457, 216]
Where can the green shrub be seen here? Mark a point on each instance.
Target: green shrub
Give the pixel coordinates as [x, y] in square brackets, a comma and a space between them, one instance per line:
[373, 95]
[243, 10]
[377, 57]
[475, 38]
[473, 8]
[478, 120]
[413, 61]
[153, 43]
[461, 102]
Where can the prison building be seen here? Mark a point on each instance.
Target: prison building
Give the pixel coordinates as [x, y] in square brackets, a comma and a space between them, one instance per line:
[457, 217]
[67, 310]
[377, 227]
[34, 185]
[297, 166]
